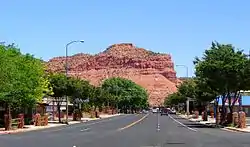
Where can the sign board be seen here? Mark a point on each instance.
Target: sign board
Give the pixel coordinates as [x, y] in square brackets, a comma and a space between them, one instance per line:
[86, 101]
[79, 100]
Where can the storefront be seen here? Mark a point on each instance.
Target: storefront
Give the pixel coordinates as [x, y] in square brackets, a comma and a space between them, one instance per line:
[245, 104]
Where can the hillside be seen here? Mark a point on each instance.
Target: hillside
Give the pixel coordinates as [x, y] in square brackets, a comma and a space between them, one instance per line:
[153, 71]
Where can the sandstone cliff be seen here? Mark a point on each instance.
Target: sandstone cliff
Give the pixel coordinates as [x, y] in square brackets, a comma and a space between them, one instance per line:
[151, 70]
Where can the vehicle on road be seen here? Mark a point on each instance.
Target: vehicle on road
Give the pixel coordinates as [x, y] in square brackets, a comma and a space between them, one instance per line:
[172, 111]
[144, 111]
[164, 111]
[155, 110]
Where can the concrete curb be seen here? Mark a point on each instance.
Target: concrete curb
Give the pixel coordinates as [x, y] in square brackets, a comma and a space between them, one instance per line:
[234, 130]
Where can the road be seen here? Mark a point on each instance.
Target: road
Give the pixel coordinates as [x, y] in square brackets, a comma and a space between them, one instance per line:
[129, 131]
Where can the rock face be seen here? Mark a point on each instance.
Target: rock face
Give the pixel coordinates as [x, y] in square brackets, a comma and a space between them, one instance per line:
[153, 71]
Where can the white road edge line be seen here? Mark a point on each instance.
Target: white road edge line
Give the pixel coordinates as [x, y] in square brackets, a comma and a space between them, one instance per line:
[182, 124]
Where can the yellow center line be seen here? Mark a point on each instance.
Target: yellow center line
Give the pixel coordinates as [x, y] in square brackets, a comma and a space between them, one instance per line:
[133, 123]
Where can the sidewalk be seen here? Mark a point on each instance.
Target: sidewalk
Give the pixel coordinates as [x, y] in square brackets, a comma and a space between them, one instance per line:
[212, 121]
[52, 124]
[29, 128]
[244, 130]
[199, 119]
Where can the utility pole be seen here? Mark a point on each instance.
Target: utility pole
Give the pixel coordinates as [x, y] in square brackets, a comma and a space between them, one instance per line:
[188, 99]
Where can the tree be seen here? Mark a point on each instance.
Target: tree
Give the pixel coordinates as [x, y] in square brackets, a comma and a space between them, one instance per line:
[128, 94]
[174, 99]
[187, 89]
[204, 94]
[78, 90]
[225, 70]
[58, 82]
[195, 88]
[21, 76]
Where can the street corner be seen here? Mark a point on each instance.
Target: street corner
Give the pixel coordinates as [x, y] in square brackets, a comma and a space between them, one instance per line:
[232, 129]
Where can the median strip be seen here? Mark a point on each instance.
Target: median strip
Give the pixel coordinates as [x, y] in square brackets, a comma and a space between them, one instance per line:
[134, 123]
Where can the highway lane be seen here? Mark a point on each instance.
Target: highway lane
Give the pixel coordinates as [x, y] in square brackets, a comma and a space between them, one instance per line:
[137, 132]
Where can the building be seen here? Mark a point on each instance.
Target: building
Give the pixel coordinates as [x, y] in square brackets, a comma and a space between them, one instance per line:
[51, 107]
[245, 104]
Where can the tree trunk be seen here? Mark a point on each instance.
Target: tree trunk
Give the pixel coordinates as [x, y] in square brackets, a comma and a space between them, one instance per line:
[223, 112]
[74, 112]
[205, 112]
[59, 113]
[217, 112]
[8, 119]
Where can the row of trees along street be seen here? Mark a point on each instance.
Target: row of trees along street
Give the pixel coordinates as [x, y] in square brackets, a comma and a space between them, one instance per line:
[24, 82]
[222, 72]
[114, 93]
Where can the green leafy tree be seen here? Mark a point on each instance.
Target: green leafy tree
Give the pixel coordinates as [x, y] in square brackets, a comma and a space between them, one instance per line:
[187, 89]
[21, 76]
[226, 71]
[174, 99]
[58, 82]
[78, 88]
[129, 95]
[204, 94]
[78, 91]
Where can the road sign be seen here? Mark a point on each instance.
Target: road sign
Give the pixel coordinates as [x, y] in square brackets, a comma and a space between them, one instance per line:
[86, 101]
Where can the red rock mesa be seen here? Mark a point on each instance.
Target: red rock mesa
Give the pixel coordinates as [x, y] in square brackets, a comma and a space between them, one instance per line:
[153, 71]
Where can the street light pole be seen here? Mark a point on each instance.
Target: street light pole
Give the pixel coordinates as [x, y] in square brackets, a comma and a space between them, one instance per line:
[66, 73]
[187, 102]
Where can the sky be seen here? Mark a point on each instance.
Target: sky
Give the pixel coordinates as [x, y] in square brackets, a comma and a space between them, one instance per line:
[182, 28]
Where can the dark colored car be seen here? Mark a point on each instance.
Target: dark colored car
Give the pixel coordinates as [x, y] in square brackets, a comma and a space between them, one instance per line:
[164, 111]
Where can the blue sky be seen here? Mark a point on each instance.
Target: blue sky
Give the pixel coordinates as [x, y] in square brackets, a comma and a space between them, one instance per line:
[182, 28]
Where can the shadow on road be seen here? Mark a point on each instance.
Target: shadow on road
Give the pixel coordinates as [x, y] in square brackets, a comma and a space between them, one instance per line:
[197, 125]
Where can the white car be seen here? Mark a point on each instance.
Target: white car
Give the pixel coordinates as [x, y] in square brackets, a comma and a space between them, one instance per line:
[172, 111]
[155, 110]
[144, 111]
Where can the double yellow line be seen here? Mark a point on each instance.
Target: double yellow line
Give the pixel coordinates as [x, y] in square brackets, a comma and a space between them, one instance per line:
[133, 123]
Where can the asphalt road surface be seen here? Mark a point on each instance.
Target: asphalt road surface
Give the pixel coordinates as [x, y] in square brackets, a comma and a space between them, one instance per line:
[129, 131]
